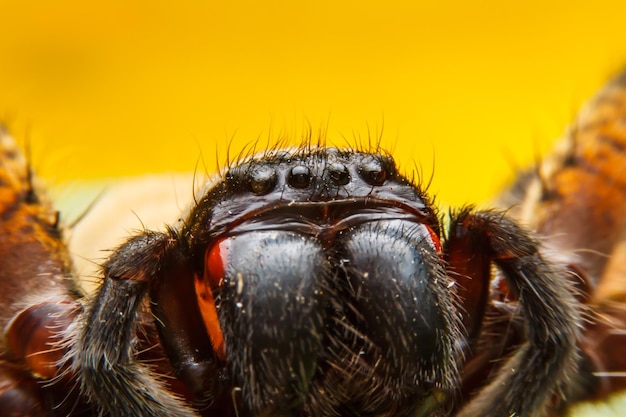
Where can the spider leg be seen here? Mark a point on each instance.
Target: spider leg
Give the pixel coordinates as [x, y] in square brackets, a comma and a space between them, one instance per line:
[38, 295]
[103, 356]
[541, 367]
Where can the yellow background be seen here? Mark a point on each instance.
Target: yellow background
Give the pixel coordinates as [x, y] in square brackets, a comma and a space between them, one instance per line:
[107, 89]
[114, 88]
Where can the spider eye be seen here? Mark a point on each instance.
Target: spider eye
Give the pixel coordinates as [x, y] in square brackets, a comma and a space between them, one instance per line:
[262, 179]
[300, 176]
[339, 174]
[373, 172]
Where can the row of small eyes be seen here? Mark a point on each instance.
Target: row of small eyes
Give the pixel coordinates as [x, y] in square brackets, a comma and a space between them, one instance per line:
[262, 179]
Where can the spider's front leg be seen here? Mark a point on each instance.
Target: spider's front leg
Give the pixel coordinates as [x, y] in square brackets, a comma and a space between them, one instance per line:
[105, 352]
[38, 297]
[540, 368]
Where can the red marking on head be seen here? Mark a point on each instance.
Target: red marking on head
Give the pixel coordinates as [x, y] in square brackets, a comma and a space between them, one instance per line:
[434, 237]
[215, 263]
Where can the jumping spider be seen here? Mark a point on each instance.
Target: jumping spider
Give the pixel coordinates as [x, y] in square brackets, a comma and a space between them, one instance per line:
[319, 282]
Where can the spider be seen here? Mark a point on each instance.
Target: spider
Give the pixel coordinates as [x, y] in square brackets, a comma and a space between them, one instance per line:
[317, 281]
